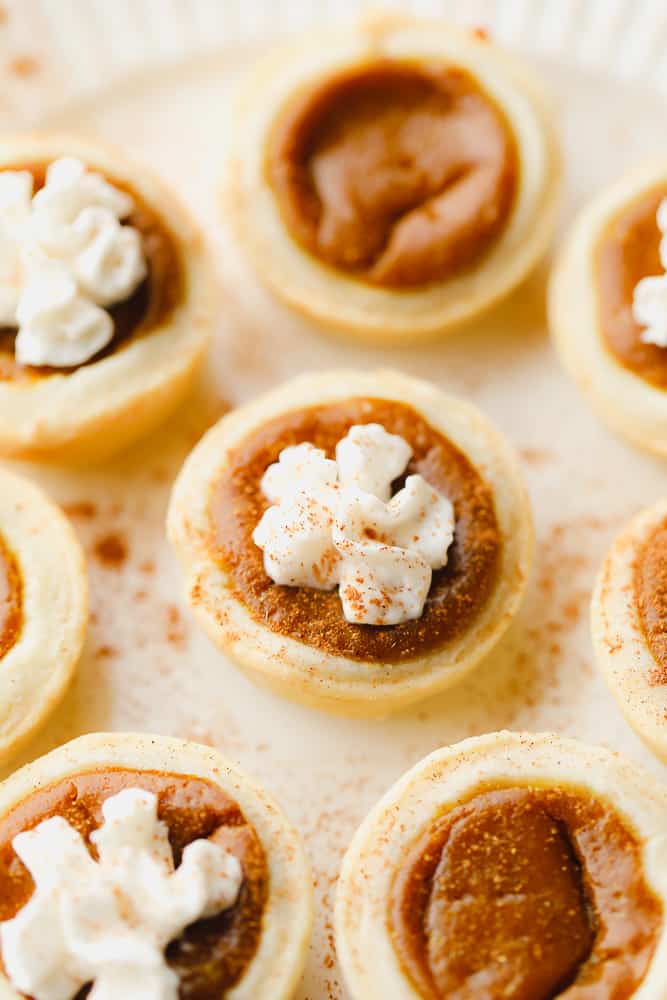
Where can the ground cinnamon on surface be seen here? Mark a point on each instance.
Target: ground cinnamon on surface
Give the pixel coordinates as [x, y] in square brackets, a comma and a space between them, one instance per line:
[111, 550]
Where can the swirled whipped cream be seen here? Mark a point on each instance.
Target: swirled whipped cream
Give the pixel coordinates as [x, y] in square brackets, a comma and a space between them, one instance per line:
[336, 524]
[649, 302]
[65, 257]
[108, 922]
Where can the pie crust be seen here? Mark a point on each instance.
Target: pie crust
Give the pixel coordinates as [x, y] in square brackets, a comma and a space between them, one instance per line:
[304, 672]
[37, 668]
[89, 413]
[332, 297]
[439, 782]
[277, 964]
[622, 649]
[629, 404]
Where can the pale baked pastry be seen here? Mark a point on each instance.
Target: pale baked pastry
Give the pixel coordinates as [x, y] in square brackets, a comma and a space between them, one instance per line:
[356, 541]
[43, 608]
[106, 299]
[198, 887]
[628, 616]
[509, 865]
[608, 305]
[394, 179]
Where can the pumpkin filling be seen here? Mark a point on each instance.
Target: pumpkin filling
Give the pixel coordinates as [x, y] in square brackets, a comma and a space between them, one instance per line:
[397, 173]
[459, 591]
[526, 893]
[629, 250]
[11, 599]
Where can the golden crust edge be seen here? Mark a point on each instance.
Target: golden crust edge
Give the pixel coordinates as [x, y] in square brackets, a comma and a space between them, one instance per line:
[621, 651]
[61, 648]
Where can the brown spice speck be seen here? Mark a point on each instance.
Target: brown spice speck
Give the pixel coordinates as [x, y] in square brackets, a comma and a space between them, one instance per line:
[106, 652]
[111, 550]
[84, 510]
[536, 456]
[176, 630]
[24, 66]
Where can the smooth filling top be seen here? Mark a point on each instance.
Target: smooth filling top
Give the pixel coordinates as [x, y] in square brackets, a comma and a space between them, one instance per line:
[11, 600]
[651, 595]
[526, 893]
[147, 308]
[458, 592]
[212, 955]
[398, 173]
[629, 250]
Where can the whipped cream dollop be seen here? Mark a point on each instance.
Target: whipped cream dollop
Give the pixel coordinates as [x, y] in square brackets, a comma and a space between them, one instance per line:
[649, 303]
[336, 524]
[65, 257]
[108, 922]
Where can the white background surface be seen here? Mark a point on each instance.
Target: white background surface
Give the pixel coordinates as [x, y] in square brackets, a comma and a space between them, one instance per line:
[156, 78]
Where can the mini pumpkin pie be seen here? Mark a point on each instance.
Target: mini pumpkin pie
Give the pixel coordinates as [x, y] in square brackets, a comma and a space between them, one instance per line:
[608, 305]
[142, 866]
[355, 541]
[629, 624]
[393, 180]
[105, 299]
[43, 608]
[510, 865]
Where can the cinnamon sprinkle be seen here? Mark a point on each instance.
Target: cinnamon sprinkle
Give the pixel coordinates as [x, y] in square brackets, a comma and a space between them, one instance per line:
[111, 550]
[24, 66]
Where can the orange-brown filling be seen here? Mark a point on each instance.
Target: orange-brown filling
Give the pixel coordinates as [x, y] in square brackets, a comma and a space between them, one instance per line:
[147, 308]
[527, 894]
[651, 595]
[629, 250]
[458, 592]
[11, 599]
[211, 955]
[398, 173]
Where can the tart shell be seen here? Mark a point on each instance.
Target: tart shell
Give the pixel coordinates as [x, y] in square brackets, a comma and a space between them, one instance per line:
[333, 298]
[305, 673]
[628, 404]
[278, 962]
[381, 845]
[36, 670]
[621, 648]
[98, 409]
